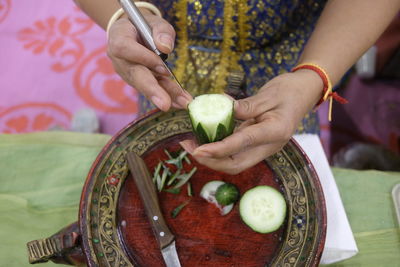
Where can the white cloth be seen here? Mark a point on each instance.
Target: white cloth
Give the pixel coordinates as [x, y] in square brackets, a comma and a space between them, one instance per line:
[340, 243]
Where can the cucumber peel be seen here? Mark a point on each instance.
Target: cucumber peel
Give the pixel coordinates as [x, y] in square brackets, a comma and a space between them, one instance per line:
[221, 132]
[178, 209]
[211, 116]
[201, 134]
[227, 194]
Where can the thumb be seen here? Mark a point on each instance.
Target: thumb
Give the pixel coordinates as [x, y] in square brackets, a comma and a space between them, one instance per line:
[163, 34]
[248, 108]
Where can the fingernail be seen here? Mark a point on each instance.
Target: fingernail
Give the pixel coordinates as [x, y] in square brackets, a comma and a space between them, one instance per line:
[161, 70]
[186, 146]
[157, 101]
[202, 154]
[182, 101]
[175, 105]
[188, 96]
[166, 40]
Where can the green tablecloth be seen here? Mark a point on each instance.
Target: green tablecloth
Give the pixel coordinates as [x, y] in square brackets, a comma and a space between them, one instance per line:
[42, 174]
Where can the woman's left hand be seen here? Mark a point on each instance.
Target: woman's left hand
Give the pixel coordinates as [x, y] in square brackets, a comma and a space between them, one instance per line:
[270, 119]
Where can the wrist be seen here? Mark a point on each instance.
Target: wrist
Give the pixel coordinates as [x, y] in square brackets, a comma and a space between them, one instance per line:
[145, 11]
[315, 85]
[144, 7]
[327, 93]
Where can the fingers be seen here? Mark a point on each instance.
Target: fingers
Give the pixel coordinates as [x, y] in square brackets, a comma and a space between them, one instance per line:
[245, 124]
[123, 44]
[188, 145]
[266, 132]
[232, 144]
[236, 163]
[253, 106]
[241, 161]
[180, 98]
[163, 33]
[249, 107]
[143, 80]
[160, 90]
[131, 59]
[233, 164]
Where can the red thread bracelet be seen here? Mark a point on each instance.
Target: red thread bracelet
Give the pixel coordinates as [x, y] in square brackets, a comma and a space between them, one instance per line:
[327, 89]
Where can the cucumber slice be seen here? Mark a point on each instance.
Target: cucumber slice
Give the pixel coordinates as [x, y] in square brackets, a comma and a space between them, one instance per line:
[227, 194]
[263, 209]
[211, 116]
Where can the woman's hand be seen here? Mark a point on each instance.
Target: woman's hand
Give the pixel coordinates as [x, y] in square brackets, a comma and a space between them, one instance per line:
[141, 67]
[270, 119]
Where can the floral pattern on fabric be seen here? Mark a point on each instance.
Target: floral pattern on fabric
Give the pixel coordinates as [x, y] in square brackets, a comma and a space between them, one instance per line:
[54, 63]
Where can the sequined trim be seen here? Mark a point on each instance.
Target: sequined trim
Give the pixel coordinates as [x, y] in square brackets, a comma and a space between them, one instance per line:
[182, 45]
[244, 27]
[225, 59]
[229, 57]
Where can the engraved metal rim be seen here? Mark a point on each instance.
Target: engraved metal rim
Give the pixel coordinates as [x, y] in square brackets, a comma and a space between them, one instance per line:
[97, 217]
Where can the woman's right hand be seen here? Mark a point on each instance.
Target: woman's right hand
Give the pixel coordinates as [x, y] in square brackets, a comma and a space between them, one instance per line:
[142, 68]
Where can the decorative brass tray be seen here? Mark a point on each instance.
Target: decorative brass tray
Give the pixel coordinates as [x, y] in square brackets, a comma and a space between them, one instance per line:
[113, 225]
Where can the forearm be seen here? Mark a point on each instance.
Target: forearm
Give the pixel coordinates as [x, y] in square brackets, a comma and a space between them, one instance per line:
[345, 30]
[99, 10]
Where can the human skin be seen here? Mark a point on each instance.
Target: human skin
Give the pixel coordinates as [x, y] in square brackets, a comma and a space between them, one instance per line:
[344, 31]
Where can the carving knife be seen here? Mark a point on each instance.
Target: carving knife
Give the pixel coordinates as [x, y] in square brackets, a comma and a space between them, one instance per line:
[145, 32]
[148, 195]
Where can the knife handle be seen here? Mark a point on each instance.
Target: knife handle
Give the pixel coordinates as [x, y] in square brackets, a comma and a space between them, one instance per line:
[148, 195]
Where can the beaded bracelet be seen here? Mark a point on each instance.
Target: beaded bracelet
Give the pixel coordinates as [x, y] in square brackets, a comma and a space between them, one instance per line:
[327, 90]
[120, 12]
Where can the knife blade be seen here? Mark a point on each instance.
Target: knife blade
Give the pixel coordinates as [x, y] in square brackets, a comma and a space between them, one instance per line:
[170, 255]
[145, 32]
[148, 195]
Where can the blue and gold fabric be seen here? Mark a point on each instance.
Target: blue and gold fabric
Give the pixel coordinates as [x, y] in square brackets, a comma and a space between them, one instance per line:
[219, 40]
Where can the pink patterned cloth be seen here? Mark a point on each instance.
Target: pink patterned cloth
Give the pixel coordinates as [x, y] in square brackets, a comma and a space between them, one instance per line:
[53, 63]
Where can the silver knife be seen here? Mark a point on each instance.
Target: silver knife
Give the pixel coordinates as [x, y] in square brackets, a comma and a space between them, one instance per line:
[148, 195]
[145, 32]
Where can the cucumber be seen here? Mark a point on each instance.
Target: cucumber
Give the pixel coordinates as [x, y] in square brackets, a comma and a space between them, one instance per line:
[227, 194]
[208, 193]
[211, 116]
[263, 209]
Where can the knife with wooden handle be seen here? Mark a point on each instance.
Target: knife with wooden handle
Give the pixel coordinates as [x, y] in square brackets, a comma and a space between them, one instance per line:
[148, 195]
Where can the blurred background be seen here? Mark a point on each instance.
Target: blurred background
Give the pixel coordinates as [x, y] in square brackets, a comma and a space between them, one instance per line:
[55, 75]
